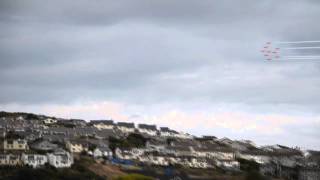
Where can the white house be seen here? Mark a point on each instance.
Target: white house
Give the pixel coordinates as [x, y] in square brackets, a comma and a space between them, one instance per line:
[77, 146]
[60, 159]
[49, 121]
[228, 164]
[166, 132]
[102, 151]
[148, 129]
[34, 160]
[257, 156]
[213, 151]
[102, 124]
[126, 127]
[183, 135]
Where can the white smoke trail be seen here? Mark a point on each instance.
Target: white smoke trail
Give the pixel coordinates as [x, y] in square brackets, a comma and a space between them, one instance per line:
[307, 47]
[296, 42]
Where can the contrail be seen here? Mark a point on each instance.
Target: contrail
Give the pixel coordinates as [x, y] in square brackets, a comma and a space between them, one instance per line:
[296, 42]
[307, 47]
[318, 58]
[282, 50]
[301, 56]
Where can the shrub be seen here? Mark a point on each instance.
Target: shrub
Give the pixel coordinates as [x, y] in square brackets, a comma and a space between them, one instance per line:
[134, 177]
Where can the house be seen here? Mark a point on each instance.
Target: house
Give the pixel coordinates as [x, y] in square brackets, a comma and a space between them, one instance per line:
[105, 134]
[125, 154]
[57, 138]
[43, 145]
[84, 131]
[102, 124]
[14, 144]
[102, 151]
[71, 123]
[34, 160]
[212, 150]
[48, 121]
[77, 122]
[183, 135]
[166, 132]
[205, 138]
[227, 164]
[10, 160]
[258, 156]
[126, 127]
[60, 159]
[148, 129]
[156, 144]
[77, 146]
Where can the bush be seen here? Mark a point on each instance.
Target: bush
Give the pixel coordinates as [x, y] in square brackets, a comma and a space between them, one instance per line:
[134, 177]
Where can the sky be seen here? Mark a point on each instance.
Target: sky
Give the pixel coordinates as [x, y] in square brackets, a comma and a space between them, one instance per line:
[194, 66]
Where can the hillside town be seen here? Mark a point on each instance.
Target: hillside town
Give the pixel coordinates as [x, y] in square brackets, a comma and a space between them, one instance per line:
[39, 141]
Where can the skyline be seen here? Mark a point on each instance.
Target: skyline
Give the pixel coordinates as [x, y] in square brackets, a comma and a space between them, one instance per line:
[192, 66]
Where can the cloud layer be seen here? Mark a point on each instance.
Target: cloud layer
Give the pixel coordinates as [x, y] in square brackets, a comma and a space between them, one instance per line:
[185, 64]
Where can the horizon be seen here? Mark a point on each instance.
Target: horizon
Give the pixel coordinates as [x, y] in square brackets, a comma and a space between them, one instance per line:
[195, 66]
[158, 128]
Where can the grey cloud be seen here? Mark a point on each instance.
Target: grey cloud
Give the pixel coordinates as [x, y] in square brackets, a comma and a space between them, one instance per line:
[123, 49]
[188, 54]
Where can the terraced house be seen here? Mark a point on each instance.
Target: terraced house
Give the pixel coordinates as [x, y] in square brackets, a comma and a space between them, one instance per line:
[14, 144]
[10, 160]
[102, 124]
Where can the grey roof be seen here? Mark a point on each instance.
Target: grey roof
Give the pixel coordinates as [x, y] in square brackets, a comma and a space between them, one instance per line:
[149, 127]
[104, 133]
[106, 122]
[43, 145]
[83, 142]
[125, 124]
[166, 129]
[85, 131]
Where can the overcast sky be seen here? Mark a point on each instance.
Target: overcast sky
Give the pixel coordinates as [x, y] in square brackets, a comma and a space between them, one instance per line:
[191, 65]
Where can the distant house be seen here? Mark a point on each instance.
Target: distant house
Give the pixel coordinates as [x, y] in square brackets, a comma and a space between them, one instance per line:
[105, 133]
[10, 160]
[228, 164]
[102, 124]
[49, 121]
[34, 160]
[77, 146]
[43, 145]
[125, 154]
[126, 127]
[166, 132]
[84, 131]
[72, 123]
[78, 122]
[102, 151]
[148, 129]
[14, 144]
[205, 138]
[60, 159]
[213, 151]
[258, 156]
